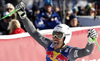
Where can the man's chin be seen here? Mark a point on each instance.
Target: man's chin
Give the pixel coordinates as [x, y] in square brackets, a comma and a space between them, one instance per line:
[56, 47]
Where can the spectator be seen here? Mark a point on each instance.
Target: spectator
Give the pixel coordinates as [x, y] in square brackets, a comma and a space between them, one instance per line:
[10, 8]
[57, 10]
[81, 12]
[68, 13]
[35, 13]
[75, 10]
[15, 27]
[73, 21]
[1, 8]
[48, 18]
[90, 10]
[4, 24]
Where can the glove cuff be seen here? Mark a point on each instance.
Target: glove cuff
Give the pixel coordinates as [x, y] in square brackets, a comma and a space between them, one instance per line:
[22, 14]
[90, 41]
[23, 17]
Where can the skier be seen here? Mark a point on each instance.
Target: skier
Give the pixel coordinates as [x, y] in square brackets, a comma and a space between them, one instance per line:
[57, 48]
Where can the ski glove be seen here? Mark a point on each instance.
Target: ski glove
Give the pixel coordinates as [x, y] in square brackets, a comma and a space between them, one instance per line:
[21, 10]
[92, 34]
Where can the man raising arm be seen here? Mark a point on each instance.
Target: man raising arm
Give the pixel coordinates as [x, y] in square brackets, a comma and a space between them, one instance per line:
[57, 49]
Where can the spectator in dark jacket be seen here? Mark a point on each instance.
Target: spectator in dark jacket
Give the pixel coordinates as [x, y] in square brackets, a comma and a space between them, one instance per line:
[81, 11]
[68, 13]
[73, 21]
[75, 10]
[48, 18]
[4, 24]
[35, 12]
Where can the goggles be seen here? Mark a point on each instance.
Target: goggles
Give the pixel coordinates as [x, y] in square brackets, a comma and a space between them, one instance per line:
[9, 9]
[59, 35]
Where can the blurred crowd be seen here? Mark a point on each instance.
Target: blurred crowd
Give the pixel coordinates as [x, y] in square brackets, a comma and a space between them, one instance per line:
[46, 17]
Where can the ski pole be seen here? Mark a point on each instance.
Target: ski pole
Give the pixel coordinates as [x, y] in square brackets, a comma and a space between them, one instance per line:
[96, 43]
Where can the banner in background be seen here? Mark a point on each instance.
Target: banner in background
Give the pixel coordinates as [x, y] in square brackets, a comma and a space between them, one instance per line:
[21, 49]
[27, 49]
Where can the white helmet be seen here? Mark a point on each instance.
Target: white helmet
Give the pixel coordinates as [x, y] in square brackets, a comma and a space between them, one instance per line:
[65, 30]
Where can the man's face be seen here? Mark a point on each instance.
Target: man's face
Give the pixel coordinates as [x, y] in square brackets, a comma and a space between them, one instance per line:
[58, 42]
[48, 8]
[9, 10]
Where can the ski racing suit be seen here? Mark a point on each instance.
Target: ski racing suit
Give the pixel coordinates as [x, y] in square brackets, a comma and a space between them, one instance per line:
[67, 53]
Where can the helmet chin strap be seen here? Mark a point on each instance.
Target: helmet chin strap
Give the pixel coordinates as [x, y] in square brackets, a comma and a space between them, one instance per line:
[63, 43]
